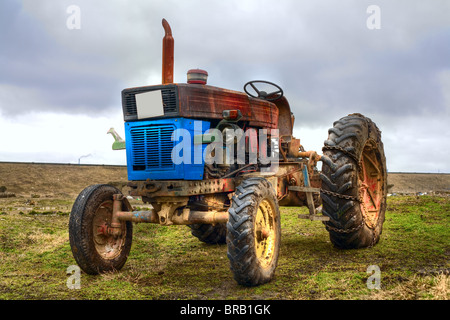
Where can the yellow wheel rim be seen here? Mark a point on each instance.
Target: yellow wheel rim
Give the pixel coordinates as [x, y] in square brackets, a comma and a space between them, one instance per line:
[265, 235]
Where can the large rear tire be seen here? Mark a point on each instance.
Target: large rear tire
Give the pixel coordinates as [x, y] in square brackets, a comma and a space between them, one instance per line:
[94, 249]
[354, 182]
[253, 232]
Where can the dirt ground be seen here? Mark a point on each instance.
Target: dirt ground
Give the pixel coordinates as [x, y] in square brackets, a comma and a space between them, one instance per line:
[67, 180]
[57, 180]
[413, 254]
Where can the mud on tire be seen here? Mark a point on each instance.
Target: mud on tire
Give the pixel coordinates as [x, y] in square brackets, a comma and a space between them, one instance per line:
[253, 232]
[354, 182]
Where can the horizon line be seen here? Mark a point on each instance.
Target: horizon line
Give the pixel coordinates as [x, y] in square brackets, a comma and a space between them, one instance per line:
[124, 165]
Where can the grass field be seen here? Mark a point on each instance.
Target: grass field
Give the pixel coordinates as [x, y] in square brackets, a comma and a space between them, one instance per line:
[168, 263]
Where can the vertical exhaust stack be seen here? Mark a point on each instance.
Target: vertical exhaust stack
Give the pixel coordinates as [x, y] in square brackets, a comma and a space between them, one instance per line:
[167, 54]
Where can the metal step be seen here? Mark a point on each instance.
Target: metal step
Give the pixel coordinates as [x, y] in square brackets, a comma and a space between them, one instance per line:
[313, 216]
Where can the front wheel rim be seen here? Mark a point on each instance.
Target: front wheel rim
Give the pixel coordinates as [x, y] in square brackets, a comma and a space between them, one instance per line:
[264, 233]
[107, 246]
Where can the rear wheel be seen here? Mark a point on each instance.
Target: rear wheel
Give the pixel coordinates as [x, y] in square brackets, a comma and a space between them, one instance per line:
[253, 232]
[94, 249]
[354, 182]
[208, 233]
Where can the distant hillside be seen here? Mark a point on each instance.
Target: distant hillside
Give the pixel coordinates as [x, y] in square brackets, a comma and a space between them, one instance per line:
[64, 179]
[56, 179]
[419, 182]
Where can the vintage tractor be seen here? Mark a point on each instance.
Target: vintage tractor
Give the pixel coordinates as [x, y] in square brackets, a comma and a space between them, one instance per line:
[223, 162]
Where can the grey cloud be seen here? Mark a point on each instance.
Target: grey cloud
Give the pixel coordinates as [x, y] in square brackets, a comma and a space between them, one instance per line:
[321, 53]
[67, 81]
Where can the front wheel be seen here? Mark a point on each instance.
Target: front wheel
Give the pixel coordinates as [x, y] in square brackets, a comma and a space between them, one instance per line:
[354, 182]
[94, 249]
[253, 232]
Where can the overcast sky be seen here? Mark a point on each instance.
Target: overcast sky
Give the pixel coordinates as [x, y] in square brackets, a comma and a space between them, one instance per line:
[61, 81]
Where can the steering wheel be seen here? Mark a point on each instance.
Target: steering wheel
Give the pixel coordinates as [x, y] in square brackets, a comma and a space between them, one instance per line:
[263, 94]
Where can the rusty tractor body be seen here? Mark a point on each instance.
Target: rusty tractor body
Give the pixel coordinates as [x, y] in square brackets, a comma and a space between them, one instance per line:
[223, 162]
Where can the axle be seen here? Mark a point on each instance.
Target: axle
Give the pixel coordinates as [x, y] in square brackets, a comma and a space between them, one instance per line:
[185, 217]
[168, 215]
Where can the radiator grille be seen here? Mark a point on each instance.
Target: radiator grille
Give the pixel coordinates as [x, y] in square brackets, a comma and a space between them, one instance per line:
[152, 148]
[169, 101]
[130, 109]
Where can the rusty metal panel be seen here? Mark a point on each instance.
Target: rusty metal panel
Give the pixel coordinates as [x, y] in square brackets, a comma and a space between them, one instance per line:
[285, 117]
[180, 188]
[208, 102]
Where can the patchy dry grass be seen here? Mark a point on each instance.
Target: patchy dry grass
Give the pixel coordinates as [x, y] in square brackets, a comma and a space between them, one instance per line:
[169, 263]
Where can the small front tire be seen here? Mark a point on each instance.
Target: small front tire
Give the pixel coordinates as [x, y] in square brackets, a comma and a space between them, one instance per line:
[94, 249]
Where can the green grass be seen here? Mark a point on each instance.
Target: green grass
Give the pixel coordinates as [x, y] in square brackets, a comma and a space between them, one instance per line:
[169, 263]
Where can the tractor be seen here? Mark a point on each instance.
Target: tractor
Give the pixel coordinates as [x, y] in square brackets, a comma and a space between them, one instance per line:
[223, 162]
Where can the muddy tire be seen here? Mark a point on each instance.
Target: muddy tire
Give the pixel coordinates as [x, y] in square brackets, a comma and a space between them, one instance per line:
[253, 232]
[93, 248]
[208, 233]
[354, 182]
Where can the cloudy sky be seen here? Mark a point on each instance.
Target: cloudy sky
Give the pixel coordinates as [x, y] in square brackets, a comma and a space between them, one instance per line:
[61, 77]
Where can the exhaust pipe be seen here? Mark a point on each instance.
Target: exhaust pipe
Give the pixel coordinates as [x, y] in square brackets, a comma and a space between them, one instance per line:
[167, 54]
